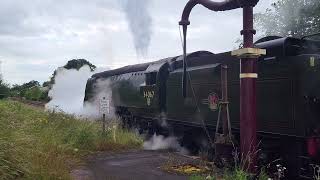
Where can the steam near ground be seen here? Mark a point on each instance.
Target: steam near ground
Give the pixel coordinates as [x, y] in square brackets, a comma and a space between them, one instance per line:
[158, 142]
[68, 92]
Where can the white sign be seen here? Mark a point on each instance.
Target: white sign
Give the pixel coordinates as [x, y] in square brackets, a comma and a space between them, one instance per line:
[104, 106]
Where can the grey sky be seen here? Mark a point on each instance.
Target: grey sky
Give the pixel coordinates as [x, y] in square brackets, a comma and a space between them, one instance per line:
[38, 36]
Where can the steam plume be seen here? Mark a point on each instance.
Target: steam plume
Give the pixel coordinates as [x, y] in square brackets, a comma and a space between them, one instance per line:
[159, 142]
[68, 91]
[140, 23]
[67, 94]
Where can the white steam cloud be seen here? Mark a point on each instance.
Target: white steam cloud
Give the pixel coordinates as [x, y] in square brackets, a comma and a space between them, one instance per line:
[67, 94]
[102, 90]
[140, 23]
[159, 142]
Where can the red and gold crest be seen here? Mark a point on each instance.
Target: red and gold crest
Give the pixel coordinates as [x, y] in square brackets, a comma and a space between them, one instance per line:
[212, 101]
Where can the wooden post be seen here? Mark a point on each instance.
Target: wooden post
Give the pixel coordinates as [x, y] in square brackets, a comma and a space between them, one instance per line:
[103, 123]
[103, 110]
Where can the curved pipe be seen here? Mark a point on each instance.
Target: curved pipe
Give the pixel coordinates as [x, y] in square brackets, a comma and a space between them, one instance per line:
[214, 6]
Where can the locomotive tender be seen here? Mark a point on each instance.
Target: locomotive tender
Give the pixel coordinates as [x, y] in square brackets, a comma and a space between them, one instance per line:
[288, 97]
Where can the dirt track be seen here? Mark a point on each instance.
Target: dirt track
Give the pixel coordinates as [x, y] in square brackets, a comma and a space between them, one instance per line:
[136, 165]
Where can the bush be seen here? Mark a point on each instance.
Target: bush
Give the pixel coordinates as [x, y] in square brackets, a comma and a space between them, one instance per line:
[33, 93]
[30, 91]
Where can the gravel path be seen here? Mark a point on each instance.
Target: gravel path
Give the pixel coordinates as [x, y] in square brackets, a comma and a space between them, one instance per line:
[136, 165]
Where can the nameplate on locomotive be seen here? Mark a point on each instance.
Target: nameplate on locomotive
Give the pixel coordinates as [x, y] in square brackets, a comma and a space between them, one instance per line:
[148, 95]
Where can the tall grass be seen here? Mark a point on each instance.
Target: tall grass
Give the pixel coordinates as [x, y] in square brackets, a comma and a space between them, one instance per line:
[40, 145]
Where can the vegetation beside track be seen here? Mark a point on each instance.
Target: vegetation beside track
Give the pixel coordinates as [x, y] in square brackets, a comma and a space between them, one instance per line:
[44, 145]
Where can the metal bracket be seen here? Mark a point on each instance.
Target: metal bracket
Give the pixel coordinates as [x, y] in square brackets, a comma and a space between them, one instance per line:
[249, 52]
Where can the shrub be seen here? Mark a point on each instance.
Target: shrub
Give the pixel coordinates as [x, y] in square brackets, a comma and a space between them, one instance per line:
[33, 93]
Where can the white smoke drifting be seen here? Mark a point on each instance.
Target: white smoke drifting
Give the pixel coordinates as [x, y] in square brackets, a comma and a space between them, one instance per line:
[159, 142]
[67, 94]
[140, 23]
[102, 90]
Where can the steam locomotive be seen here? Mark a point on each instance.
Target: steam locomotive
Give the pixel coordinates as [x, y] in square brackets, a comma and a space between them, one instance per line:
[149, 96]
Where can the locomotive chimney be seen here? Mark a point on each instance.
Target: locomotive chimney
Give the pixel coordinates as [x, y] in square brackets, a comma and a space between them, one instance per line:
[248, 70]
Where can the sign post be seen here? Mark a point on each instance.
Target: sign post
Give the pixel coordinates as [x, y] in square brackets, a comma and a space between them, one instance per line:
[104, 109]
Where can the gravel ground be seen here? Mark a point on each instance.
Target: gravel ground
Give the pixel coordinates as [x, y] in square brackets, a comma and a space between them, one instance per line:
[135, 165]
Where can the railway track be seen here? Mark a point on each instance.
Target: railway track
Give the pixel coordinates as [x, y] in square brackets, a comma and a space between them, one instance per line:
[38, 104]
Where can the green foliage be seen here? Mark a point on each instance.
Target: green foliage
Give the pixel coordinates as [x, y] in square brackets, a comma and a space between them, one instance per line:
[33, 94]
[30, 91]
[72, 64]
[46, 84]
[237, 174]
[263, 175]
[198, 177]
[21, 90]
[240, 174]
[26, 85]
[78, 63]
[35, 144]
[4, 89]
[290, 18]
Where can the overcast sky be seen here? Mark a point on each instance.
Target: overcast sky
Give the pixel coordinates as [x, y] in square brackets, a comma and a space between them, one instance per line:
[38, 36]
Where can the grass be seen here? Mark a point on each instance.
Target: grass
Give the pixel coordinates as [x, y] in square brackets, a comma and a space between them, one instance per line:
[198, 177]
[41, 145]
[235, 174]
[239, 171]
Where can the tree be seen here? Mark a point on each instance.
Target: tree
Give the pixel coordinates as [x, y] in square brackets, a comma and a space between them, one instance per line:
[34, 93]
[30, 84]
[296, 18]
[78, 63]
[72, 64]
[20, 90]
[46, 84]
[4, 89]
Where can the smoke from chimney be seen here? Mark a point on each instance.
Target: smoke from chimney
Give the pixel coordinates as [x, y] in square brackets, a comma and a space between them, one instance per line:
[140, 23]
